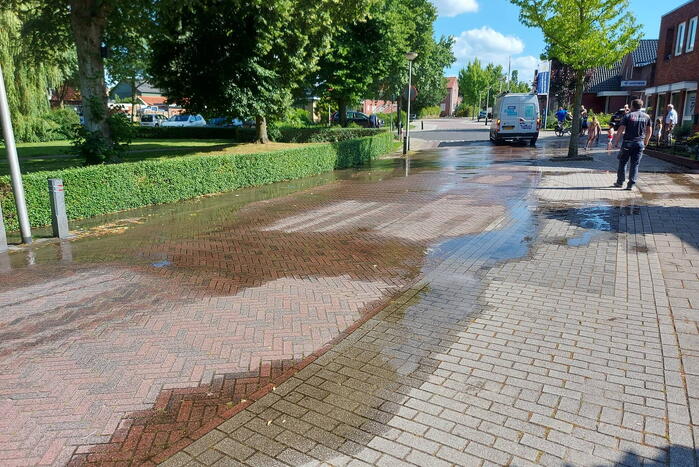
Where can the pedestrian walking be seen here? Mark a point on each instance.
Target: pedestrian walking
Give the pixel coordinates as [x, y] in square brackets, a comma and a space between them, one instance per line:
[593, 132]
[635, 132]
[670, 122]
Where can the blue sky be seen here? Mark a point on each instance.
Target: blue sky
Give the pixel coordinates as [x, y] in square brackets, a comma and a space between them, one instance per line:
[491, 31]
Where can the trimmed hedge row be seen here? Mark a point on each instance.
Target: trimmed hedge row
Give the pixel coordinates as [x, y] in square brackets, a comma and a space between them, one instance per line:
[325, 134]
[244, 135]
[100, 189]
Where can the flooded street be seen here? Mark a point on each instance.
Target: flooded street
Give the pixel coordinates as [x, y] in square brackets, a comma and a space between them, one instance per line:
[470, 303]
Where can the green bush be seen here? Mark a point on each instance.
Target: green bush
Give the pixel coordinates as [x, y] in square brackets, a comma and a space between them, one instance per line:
[100, 189]
[67, 120]
[34, 129]
[296, 117]
[430, 112]
[320, 134]
[682, 130]
[95, 148]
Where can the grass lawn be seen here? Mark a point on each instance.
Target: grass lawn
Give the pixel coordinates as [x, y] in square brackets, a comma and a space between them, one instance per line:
[56, 155]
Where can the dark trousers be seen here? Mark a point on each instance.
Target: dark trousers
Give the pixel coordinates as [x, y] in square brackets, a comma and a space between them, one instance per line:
[631, 153]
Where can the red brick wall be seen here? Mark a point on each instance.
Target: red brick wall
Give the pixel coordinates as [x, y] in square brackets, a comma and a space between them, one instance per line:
[683, 67]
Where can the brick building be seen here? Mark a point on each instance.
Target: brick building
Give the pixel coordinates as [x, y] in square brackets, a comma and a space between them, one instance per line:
[610, 88]
[677, 69]
[451, 101]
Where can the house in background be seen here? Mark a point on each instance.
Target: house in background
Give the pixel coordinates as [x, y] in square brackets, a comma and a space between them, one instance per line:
[610, 88]
[451, 101]
[145, 94]
[370, 106]
[677, 69]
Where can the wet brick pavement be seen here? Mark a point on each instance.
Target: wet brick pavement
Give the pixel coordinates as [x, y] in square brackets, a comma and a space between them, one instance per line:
[502, 309]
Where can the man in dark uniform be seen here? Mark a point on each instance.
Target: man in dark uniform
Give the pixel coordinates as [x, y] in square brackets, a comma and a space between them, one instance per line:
[636, 129]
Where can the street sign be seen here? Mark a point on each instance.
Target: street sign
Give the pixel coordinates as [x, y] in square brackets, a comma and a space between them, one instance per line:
[633, 84]
[413, 93]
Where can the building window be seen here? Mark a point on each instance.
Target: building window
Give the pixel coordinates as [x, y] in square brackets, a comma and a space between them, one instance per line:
[669, 41]
[679, 42]
[691, 34]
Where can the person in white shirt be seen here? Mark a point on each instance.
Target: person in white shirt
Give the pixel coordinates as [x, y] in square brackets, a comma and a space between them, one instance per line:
[670, 122]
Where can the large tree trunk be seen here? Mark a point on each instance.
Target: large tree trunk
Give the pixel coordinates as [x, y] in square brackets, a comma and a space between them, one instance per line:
[261, 125]
[575, 131]
[342, 110]
[88, 18]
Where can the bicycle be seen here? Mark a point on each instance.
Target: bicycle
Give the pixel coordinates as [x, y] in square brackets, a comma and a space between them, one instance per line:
[561, 129]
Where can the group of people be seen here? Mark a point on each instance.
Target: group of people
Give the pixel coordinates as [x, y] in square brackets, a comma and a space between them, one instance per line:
[631, 129]
[662, 130]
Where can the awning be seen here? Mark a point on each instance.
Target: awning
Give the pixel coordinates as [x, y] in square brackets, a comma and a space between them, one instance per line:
[679, 86]
[612, 93]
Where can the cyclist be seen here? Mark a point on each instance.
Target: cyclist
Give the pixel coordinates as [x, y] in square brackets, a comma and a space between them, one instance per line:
[562, 115]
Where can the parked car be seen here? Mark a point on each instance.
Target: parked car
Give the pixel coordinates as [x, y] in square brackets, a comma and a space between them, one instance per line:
[359, 118]
[154, 120]
[515, 118]
[482, 114]
[185, 120]
[224, 122]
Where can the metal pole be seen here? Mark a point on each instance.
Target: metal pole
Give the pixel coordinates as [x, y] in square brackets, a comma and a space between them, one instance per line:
[15, 174]
[548, 93]
[406, 146]
[487, 101]
[3, 237]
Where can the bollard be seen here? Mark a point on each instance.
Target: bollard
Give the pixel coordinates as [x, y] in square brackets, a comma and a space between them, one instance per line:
[422, 125]
[3, 237]
[59, 221]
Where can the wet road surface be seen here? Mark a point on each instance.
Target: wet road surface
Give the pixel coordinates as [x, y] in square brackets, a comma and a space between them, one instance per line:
[524, 310]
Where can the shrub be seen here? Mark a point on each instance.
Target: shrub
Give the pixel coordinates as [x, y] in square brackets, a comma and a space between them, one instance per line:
[93, 146]
[67, 120]
[682, 130]
[296, 117]
[324, 134]
[29, 129]
[99, 189]
[430, 112]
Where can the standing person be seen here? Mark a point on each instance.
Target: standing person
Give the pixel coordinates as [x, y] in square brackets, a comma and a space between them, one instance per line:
[593, 132]
[583, 120]
[610, 137]
[635, 128]
[658, 130]
[670, 122]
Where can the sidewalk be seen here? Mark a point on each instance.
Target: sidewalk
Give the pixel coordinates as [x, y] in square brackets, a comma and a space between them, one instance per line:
[565, 333]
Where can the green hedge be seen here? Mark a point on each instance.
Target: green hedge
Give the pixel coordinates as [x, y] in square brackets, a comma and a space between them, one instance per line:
[235, 134]
[317, 134]
[101, 189]
[325, 134]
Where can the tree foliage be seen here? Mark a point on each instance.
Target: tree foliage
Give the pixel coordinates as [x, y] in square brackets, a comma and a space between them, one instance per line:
[368, 59]
[237, 58]
[573, 31]
[28, 81]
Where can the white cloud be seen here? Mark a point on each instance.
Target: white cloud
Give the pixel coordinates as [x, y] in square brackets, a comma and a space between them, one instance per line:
[455, 7]
[491, 46]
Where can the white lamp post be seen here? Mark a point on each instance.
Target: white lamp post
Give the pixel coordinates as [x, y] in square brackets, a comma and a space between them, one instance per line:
[410, 56]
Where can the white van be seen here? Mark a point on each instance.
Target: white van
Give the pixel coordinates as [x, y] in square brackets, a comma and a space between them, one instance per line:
[515, 118]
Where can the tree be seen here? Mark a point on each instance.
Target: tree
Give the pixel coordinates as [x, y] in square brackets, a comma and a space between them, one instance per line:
[55, 26]
[573, 30]
[472, 81]
[236, 58]
[27, 80]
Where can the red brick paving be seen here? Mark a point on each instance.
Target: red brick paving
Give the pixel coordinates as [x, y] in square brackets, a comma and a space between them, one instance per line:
[128, 346]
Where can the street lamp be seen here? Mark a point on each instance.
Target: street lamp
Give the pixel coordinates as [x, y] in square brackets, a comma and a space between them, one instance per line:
[410, 56]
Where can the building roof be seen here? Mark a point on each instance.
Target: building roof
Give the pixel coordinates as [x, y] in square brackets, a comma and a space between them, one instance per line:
[153, 100]
[609, 79]
[646, 52]
[605, 79]
[145, 86]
